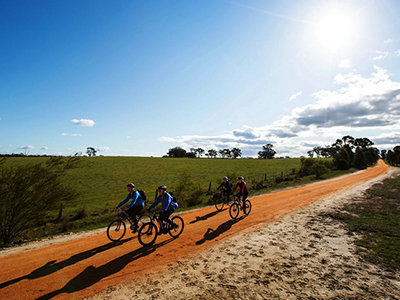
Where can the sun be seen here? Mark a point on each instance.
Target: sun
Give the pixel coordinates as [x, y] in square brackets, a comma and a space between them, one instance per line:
[333, 31]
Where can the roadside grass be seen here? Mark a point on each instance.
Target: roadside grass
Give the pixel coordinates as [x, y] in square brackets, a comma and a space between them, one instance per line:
[101, 184]
[376, 219]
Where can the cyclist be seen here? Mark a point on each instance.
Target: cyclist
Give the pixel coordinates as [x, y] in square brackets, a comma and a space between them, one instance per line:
[243, 190]
[168, 206]
[135, 207]
[227, 184]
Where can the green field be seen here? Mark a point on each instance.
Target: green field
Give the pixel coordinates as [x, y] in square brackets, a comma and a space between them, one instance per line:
[101, 181]
[101, 184]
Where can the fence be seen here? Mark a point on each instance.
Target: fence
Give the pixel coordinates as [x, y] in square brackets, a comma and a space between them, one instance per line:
[264, 178]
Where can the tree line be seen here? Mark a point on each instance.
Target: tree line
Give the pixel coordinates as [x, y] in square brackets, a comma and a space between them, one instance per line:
[392, 156]
[349, 152]
[266, 153]
[27, 192]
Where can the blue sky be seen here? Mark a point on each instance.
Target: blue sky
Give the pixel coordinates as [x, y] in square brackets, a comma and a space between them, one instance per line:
[135, 78]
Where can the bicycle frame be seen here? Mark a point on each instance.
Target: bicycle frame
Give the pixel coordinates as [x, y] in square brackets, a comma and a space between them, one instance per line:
[124, 216]
[155, 218]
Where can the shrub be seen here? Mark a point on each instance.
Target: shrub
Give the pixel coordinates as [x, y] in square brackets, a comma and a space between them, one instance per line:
[82, 214]
[28, 192]
[319, 168]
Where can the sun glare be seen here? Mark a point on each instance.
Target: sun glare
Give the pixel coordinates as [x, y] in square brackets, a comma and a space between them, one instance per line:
[333, 31]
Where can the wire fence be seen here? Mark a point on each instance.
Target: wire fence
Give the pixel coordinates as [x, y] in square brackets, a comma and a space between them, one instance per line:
[265, 180]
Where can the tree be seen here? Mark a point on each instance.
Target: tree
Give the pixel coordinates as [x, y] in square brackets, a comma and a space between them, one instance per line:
[27, 193]
[91, 151]
[236, 152]
[199, 152]
[383, 154]
[267, 152]
[193, 153]
[176, 152]
[211, 153]
[227, 153]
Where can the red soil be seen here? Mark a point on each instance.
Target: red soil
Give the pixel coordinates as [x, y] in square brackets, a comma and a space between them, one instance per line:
[83, 267]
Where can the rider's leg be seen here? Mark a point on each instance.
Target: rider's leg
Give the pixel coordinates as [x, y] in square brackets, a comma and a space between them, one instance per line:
[165, 216]
[133, 212]
[228, 196]
[244, 198]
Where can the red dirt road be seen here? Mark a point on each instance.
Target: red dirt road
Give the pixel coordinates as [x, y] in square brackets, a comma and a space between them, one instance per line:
[83, 267]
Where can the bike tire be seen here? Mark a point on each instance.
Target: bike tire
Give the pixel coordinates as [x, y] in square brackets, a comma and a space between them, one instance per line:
[143, 219]
[234, 210]
[247, 206]
[147, 234]
[219, 203]
[175, 232]
[116, 230]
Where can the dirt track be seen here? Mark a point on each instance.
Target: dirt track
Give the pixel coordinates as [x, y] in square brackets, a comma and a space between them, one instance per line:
[86, 266]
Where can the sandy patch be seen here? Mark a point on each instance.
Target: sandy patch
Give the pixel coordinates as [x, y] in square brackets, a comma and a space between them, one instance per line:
[303, 255]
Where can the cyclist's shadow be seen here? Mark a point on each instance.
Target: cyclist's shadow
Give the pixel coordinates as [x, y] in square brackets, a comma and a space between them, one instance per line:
[53, 266]
[212, 234]
[205, 217]
[91, 275]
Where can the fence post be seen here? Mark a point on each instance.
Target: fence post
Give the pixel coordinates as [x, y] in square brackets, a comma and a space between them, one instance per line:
[209, 187]
[60, 211]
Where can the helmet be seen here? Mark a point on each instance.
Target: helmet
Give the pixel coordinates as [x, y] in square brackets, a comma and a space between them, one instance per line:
[131, 185]
[225, 178]
[240, 178]
[162, 187]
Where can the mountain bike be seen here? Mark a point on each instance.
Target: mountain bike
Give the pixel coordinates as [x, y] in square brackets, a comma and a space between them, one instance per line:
[117, 228]
[220, 199]
[149, 231]
[237, 206]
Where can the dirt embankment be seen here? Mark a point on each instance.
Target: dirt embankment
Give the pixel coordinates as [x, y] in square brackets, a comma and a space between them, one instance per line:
[272, 253]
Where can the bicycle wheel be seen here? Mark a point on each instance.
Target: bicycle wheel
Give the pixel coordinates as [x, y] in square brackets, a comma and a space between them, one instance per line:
[143, 219]
[147, 234]
[175, 232]
[247, 206]
[219, 203]
[234, 210]
[116, 230]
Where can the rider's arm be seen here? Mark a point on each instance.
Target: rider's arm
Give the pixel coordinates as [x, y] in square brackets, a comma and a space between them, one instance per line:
[134, 198]
[126, 200]
[167, 201]
[244, 186]
[234, 189]
[155, 202]
[220, 186]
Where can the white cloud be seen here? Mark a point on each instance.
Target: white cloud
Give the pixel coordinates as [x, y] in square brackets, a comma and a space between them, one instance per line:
[102, 149]
[128, 137]
[44, 148]
[388, 41]
[83, 122]
[294, 96]
[398, 52]
[75, 134]
[27, 147]
[64, 134]
[381, 55]
[344, 64]
[359, 104]
[167, 139]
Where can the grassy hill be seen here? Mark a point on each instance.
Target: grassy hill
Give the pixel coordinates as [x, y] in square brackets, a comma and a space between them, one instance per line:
[101, 183]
